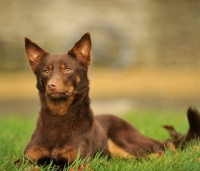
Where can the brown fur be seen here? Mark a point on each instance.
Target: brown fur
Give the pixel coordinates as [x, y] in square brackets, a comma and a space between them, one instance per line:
[66, 124]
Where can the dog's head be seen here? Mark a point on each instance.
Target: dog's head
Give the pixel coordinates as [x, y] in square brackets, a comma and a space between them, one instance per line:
[60, 76]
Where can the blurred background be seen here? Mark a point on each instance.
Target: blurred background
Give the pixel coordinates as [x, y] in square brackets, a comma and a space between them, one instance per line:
[145, 53]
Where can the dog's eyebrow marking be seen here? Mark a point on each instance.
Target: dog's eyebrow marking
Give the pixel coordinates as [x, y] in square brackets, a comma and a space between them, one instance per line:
[50, 67]
[63, 66]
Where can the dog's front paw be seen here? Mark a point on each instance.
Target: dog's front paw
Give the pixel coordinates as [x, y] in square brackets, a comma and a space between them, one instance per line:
[68, 155]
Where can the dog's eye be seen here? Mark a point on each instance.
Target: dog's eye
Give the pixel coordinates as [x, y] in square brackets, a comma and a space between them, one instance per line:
[67, 70]
[46, 71]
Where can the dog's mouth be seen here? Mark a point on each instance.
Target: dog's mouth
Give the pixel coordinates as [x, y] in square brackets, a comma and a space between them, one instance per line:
[59, 95]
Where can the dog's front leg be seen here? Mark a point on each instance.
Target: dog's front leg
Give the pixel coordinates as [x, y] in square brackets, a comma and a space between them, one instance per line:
[67, 154]
[35, 153]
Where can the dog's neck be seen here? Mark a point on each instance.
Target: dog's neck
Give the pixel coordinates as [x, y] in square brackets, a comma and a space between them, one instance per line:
[64, 115]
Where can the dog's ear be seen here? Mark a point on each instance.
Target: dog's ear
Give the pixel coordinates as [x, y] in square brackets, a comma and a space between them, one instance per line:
[82, 49]
[34, 53]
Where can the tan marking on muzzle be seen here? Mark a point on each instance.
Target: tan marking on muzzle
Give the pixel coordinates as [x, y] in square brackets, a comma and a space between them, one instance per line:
[59, 86]
[78, 79]
[70, 89]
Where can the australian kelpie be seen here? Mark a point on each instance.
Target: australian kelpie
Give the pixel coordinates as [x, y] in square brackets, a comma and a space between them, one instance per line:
[66, 125]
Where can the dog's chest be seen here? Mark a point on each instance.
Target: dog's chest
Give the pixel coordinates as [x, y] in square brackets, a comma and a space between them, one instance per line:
[58, 132]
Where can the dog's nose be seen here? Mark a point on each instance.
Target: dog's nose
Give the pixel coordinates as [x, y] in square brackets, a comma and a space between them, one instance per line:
[51, 85]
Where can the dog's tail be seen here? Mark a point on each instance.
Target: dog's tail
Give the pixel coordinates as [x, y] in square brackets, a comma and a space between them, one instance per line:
[194, 129]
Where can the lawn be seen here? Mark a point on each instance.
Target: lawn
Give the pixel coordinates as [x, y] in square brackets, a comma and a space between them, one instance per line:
[16, 132]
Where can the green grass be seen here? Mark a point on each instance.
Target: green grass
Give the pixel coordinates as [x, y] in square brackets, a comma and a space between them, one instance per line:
[16, 132]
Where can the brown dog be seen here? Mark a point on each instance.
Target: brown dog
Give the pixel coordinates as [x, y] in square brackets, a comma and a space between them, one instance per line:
[66, 124]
